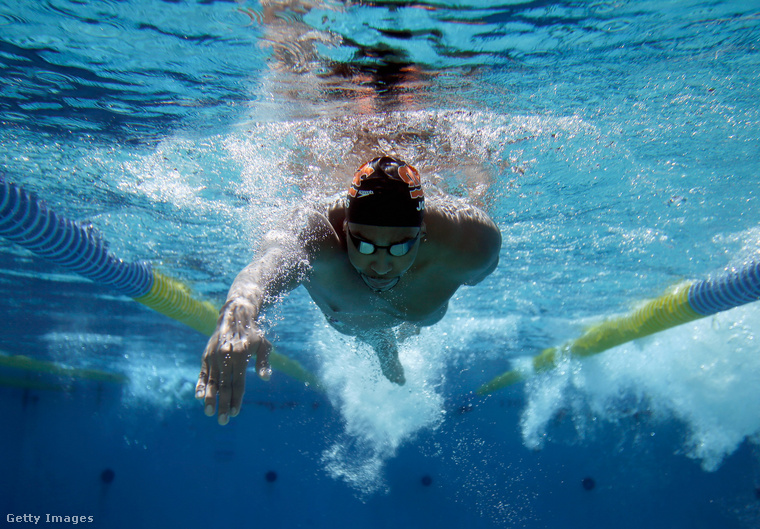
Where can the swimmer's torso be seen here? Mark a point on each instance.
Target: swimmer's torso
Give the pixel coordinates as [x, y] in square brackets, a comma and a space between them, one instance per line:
[443, 263]
[421, 295]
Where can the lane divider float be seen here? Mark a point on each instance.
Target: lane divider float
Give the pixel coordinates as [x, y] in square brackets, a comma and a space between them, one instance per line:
[683, 304]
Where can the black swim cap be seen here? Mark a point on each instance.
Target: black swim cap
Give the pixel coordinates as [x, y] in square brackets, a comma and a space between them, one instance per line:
[386, 192]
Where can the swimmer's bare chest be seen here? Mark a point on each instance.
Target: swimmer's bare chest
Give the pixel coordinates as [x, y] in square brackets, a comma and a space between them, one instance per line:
[345, 299]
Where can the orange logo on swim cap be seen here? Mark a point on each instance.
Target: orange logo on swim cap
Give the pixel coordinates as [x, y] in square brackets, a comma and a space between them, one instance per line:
[412, 178]
[409, 175]
[406, 173]
[363, 172]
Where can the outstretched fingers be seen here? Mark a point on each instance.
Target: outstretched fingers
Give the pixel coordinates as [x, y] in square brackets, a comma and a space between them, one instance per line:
[225, 382]
[239, 367]
[222, 380]
[206, 387]
[221, 383]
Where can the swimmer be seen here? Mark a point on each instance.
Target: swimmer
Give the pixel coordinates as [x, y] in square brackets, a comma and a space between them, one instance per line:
[377, 262]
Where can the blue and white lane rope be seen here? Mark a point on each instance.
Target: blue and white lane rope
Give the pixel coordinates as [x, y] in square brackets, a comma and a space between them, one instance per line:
[688, 302]
[27, 221]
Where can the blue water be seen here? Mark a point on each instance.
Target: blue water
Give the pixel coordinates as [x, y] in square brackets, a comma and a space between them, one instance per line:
[615, 144]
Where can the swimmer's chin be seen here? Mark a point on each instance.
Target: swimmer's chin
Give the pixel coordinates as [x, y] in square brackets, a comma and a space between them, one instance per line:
[379, 284]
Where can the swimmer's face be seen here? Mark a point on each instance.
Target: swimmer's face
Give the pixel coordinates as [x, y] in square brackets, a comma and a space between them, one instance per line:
[381, 254]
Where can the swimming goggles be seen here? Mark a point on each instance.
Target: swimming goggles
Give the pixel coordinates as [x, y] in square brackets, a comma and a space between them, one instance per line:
[396, 250]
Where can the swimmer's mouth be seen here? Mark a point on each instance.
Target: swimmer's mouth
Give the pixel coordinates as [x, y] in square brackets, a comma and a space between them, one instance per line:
[380, 284]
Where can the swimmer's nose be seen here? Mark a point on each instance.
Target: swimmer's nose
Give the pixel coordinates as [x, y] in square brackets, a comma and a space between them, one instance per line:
[381, 266]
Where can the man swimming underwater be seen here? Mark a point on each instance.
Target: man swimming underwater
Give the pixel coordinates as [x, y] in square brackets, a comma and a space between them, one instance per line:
[371, 262]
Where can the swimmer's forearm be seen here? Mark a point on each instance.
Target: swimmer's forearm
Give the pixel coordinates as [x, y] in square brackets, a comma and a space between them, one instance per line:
[268, 276]
[283, 260]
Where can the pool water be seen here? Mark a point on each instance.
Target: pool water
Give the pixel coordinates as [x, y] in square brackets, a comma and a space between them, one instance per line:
[613, 143]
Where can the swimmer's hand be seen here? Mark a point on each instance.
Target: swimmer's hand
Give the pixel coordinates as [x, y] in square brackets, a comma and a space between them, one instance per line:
[225, 359]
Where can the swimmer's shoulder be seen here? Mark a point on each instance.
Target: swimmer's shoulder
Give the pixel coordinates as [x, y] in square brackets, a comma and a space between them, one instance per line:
[322, 223]
[326, 212]
[334, 208]
[459, 219]
[465, 237]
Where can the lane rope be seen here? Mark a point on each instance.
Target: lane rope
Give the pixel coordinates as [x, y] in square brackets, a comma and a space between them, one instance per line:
[685, 303]
[27, 221]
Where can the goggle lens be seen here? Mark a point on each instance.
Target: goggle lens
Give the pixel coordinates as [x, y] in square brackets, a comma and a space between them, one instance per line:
[396, 250]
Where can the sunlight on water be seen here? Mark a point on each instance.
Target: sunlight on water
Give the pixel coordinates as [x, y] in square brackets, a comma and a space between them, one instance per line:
[705, 374]
[614, 144]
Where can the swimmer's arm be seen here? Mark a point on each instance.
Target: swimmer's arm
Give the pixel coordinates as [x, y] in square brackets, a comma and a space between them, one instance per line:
[477, 247]
[280, 266]
[274, 271]
[283, 261]
[385, 344]
[487, 258]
